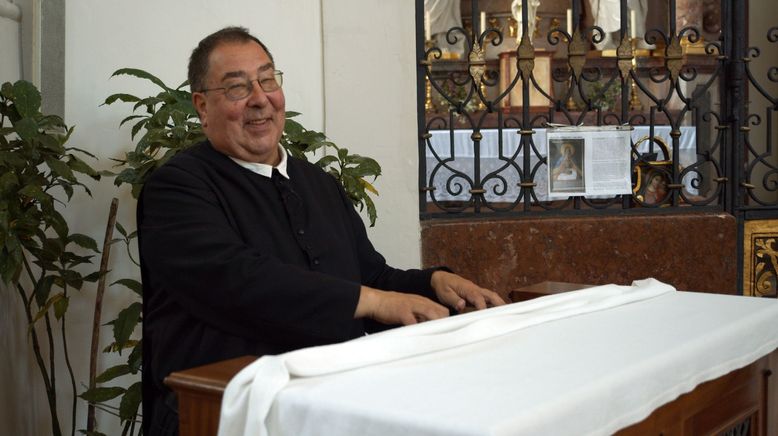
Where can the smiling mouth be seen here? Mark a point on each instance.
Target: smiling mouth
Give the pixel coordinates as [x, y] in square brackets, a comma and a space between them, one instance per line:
[258, 122]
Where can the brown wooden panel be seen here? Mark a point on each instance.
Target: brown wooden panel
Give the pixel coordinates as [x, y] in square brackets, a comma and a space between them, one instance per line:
[200, 391]
[716, 406]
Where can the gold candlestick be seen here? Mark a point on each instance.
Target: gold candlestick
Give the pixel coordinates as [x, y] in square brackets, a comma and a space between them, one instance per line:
[481, 105]
[428, 105]
[427, 95]
[576, 57]
[634, 100]
[571, 104]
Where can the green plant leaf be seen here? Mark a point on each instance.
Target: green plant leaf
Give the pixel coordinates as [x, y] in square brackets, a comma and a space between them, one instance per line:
[7, 90]
[125, 324]
[27, 129]
[61, 306]
[120, 228]
[34, 191]
[142, 75]
[51, 249]
[130, 118]
[128, 407]
[11, 266]
[135, 359]
[82, 167]
[26, 98]
[61, 169]
[58, 223]
[92, 277]
[68, 188]
[8, 182]
[326, 161]
[83, 241]
[371, 211]
[50, 302]
[112, 372]
[72, 278]
[126, 98]
[52, 143]
[12, 159]
[101, 394]
[133, 285]
[42, 290]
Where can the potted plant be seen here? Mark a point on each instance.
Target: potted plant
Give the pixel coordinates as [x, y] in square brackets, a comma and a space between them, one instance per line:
[39, 256]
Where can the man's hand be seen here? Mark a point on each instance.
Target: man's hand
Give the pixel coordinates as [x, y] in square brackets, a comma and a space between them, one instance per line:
[456, 292]
[389, 307]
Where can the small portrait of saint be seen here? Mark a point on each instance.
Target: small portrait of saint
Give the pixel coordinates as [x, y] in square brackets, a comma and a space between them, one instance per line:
[566, 171]
[656, 188]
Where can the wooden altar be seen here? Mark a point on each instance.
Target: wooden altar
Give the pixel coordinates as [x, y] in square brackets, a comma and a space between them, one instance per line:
[743, 401]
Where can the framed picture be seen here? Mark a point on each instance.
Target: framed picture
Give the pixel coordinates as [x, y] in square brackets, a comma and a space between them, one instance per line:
[542, 73]
[760, 262]
[652, 186]
[653, 177]
[566, 172]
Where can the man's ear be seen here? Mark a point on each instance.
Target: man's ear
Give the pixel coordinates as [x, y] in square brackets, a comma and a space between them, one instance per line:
[198, 101]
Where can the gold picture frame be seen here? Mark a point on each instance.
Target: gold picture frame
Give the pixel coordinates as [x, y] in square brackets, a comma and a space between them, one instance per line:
[760, 258]
[652, 177]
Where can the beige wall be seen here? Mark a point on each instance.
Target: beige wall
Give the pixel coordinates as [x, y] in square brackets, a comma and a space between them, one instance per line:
[370, 107]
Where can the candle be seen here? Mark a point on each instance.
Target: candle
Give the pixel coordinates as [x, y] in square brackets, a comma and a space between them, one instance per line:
[427, 31]
[483, 21]
[570, 21]
[632, 24]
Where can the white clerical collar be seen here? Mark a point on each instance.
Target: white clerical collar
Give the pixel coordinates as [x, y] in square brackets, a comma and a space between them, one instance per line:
[265, 169]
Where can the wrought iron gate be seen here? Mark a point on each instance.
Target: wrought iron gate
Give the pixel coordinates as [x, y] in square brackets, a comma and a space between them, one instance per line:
[702, 119]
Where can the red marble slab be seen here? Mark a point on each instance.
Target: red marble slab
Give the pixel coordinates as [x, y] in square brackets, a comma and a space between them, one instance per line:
[694, 252]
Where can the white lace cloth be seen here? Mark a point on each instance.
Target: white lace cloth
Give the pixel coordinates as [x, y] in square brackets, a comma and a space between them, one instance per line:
[561, 364]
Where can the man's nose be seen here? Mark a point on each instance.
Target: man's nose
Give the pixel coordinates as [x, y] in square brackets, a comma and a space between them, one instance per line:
[258, 95]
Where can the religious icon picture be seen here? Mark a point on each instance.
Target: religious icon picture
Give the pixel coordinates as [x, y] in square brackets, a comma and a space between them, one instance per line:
[653, 187]
[566, 165]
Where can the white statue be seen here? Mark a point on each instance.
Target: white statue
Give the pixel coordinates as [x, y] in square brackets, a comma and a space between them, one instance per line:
[607, 15]
[532, 6]
[442, 16]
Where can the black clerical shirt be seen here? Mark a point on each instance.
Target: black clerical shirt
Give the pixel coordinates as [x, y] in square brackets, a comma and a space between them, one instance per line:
[234, 263]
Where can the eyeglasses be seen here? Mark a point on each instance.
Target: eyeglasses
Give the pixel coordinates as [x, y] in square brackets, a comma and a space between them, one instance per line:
[241, 90]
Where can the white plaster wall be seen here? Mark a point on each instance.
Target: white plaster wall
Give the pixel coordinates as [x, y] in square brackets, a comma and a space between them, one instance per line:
[16, 358]
[10, 46]
[370, 98]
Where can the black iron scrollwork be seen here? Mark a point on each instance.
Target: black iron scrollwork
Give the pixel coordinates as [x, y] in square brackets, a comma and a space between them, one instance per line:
[665, 91]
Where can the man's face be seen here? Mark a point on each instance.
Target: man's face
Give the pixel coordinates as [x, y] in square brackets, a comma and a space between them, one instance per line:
[248, 129]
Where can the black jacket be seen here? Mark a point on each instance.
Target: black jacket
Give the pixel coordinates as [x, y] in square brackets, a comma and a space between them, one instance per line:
[234, 263]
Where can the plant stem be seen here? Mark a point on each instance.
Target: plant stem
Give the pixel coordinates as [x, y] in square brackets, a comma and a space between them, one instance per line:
[90, 420]
[53, 374]
[48, 379]
[41, 364]
[72, 376]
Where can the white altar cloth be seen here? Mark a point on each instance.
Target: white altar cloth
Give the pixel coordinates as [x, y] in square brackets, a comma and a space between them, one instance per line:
[590, 373]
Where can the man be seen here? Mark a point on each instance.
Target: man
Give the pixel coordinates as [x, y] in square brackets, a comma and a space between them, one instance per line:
[248, 251]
